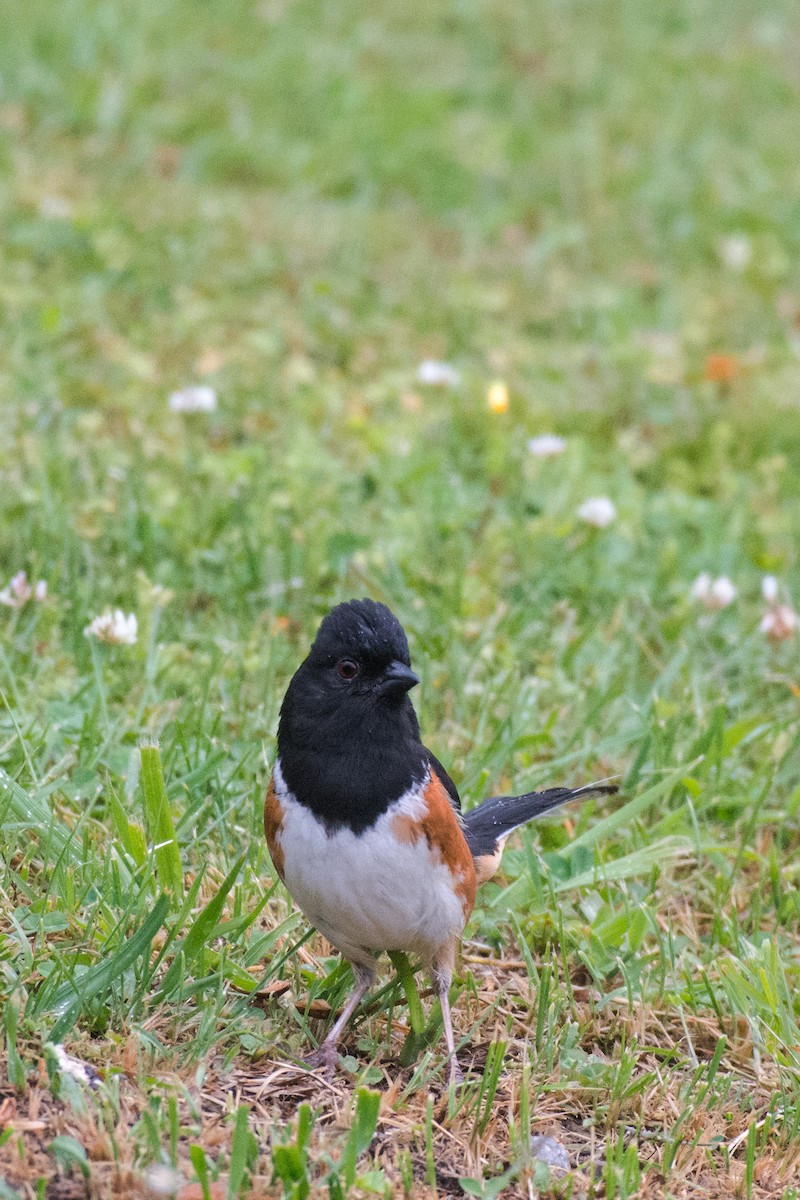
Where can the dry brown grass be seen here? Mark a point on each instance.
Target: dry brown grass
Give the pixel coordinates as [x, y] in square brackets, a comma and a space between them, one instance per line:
[710, 1161]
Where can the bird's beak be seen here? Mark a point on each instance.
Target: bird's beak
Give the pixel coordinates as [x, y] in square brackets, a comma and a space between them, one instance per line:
[396, 679]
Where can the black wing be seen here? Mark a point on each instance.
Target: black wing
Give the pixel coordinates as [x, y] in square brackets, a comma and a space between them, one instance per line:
[488, 824]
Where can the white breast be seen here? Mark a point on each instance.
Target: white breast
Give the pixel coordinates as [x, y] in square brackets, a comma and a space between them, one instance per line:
[370, 891]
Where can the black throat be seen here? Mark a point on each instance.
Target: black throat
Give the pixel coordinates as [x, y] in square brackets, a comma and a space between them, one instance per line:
[347, 767]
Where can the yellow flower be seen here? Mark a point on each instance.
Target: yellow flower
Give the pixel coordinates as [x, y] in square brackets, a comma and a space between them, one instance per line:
[497, 397]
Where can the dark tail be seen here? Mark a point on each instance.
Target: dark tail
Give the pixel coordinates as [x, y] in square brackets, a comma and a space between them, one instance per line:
[487, 825]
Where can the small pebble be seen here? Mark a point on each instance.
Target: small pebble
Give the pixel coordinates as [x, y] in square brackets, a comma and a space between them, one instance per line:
[551, 1152]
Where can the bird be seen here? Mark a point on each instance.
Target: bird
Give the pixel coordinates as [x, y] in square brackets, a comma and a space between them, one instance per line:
[363, 823]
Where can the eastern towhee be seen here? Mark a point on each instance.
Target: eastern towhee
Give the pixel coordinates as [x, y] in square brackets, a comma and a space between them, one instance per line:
[363, 823]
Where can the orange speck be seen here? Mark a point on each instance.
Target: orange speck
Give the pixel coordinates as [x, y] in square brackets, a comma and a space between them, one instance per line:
[721, 368]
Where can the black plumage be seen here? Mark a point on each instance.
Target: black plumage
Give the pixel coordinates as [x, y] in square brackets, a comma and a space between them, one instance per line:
[349, 751]
[490, 822]
[349, 747]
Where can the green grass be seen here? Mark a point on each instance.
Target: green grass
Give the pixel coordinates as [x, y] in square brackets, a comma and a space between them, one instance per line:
[295, 204]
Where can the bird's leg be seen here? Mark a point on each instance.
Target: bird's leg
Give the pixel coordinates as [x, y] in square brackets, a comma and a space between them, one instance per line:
[456, 1075]
[442, 974]
[327, 1053]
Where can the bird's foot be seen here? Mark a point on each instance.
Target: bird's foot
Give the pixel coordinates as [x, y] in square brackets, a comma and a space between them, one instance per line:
[326, 1056]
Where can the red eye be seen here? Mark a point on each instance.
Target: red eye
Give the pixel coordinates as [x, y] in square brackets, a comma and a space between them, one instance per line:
[347, 668]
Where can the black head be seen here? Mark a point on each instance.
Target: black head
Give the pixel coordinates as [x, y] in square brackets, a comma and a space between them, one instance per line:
[348, 738]
[361, 651]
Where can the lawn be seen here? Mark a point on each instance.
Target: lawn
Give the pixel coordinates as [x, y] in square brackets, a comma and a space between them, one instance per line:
[296, 205]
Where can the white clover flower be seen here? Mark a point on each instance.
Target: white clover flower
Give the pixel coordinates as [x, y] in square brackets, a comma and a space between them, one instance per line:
[193, 399]
[736, 251]
[437, 374]
[723, 592]
[713, 594]
[114, 627]
[780, 623]
[701, 588]
[598, 511]
[19, 591]
[546, 445]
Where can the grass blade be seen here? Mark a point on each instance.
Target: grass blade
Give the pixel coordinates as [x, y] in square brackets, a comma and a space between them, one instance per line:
[243, 1150]
[362, 1131]
[73, 997]
[30, 812]
[601, 831]
[639, 862]
[416, 1014]
[160, 828]
[202, 929]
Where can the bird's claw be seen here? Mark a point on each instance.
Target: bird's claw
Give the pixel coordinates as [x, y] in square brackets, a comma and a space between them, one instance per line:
[325, 1056]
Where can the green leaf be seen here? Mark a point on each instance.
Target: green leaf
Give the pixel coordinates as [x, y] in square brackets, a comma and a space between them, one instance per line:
[402, 966]
[601, 831]
[129, 833]
[241, 979]
[289, 1163]
[160, 828]
[197, 1156]
[362, 1131]
[473, 1187]
[202, 930]
[69, 1153]
[305, 1123]
[74, 996]
[30, 811]
[15, 1067]
[638, 862]
[244, 1151]
[335, 1190]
